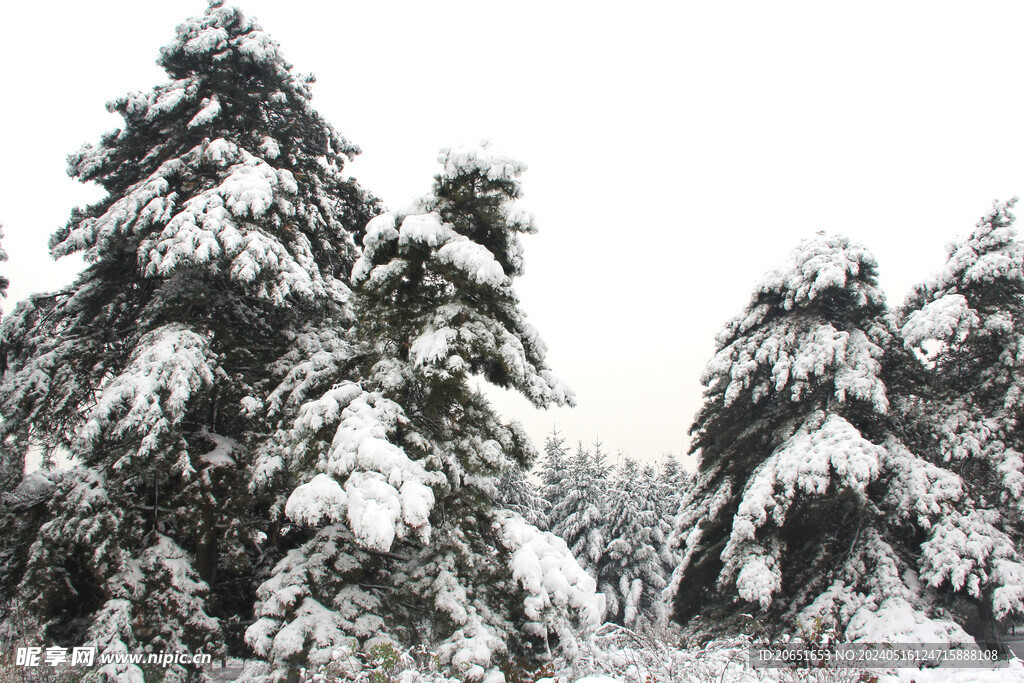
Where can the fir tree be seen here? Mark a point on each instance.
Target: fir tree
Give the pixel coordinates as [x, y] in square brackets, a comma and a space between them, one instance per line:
[579, 516]
[670, 486]
[553, 472]
[631, 572]
[808, 510]
[398, 461]
[228, 223]
[972, 314]
[672, 478]
[519, 494]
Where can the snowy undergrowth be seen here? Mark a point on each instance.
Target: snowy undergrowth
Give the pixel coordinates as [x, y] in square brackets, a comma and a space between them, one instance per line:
[615, 654]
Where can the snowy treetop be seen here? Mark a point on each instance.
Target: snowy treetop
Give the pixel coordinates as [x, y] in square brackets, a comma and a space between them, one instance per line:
[990, 252]
[228, 77]
[475, 262]
[226, 167]
[769, 349]
[818, 266]
[220, 34]
[456, 338]
[469, 159]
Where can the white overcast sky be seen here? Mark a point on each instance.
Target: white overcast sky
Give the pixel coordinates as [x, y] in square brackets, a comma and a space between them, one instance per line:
[676, 150]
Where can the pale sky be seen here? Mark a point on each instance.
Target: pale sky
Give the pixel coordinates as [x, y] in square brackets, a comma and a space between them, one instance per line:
[676, 150]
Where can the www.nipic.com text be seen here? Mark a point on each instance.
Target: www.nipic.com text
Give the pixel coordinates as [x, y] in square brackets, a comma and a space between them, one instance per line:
[86, 656]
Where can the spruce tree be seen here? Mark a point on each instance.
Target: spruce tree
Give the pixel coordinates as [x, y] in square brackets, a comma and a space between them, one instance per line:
[397, 462]
[970, 317]
[580, 515]
[227, 224]
[553, 472]
[519, 494]
[808, 511]
[631, 572]
[670, 486]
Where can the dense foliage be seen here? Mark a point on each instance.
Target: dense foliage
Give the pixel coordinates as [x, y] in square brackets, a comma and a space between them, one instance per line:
[227, 226]
[269, 393]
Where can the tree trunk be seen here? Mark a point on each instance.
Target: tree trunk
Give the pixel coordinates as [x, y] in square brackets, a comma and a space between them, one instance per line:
[987, 630]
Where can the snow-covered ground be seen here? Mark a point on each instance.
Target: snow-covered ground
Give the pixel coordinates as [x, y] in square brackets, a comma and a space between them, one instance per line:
[618, 655]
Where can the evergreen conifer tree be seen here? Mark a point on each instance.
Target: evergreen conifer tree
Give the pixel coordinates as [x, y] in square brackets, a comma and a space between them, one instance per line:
[972, 313]
[807, 509]
[398, 461]
[520, 495]
[228, 223]
[579, 516]
[553, 472]
[631, 572]
[670, 486]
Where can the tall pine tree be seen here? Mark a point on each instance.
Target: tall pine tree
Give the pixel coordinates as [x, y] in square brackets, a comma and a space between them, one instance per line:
[228, 222]
[579, 514]
[397, 462]
[970, 316]
[808, 510]
[631, 571]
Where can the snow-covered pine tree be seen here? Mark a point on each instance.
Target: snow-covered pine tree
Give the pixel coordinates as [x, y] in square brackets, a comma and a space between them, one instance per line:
[807, 510]
[670, 485]
[970, 316]
[553, 471]
[671, 476]
[631, 572]
[398, 460]
[580, 515]
[228, 223]
[518, 493]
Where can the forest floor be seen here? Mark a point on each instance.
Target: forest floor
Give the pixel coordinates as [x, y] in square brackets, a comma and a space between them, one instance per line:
[617, 655]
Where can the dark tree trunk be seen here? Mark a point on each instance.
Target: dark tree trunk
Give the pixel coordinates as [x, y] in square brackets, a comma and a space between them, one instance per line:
[987, 630]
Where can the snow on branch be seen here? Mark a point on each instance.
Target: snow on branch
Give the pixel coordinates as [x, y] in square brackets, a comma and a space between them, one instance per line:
[151, 396]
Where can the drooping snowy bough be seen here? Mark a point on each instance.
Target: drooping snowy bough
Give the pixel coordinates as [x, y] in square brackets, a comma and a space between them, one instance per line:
[809, 511]
[396, 464]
